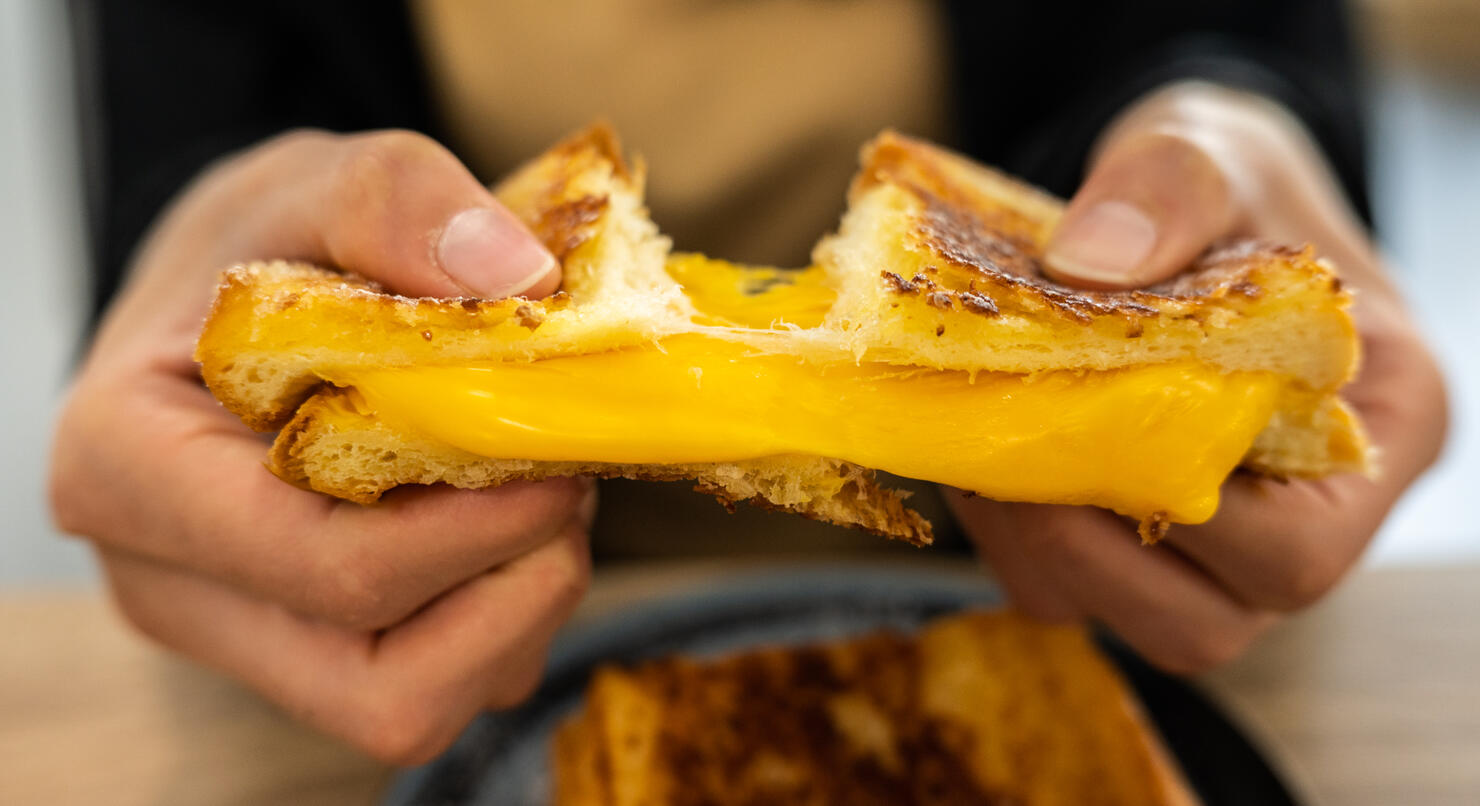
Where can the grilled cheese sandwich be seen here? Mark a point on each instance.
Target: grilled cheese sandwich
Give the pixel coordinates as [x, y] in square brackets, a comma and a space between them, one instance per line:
[925, 341]
[1053, 437]
[976, 708]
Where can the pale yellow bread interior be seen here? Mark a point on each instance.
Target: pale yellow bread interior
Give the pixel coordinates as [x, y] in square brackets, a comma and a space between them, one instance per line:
[936, 265]
[977, 709]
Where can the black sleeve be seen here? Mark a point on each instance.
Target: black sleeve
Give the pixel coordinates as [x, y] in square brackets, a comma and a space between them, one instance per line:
[167, 87]
[1037, 81]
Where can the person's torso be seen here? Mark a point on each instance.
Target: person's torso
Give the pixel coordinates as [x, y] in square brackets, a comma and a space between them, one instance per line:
[749, 115]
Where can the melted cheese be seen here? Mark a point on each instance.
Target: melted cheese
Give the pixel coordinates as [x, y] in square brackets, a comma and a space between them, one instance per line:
[730, 294]
[1140, 441]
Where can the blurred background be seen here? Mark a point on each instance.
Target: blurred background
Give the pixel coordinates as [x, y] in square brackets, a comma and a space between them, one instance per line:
[1424, 69]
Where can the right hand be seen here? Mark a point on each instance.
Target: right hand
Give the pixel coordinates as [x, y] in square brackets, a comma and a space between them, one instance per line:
[390, 625]
[1186, 166]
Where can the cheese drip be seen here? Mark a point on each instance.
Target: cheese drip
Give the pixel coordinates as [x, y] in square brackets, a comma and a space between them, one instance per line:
[1153, 439]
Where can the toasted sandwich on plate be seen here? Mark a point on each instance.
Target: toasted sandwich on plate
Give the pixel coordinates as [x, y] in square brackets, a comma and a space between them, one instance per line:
[925, 341]
[978, 708]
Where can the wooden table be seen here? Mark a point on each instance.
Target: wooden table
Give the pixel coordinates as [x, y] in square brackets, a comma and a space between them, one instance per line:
[1373, 697]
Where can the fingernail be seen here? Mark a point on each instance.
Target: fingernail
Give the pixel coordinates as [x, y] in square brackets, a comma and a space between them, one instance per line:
[491, 255]
[1107, 244]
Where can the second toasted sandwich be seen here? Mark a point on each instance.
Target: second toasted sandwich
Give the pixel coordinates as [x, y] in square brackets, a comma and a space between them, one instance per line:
[977, 708]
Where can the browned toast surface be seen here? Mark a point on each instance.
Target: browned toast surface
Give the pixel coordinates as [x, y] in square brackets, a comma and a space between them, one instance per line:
[980, 708]
[941, 262]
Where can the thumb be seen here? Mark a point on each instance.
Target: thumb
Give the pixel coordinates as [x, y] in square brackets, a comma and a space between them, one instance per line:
[399, 208]
[1152, 202]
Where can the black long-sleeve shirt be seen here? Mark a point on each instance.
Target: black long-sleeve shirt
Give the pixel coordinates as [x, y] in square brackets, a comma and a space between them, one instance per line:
[169, 86]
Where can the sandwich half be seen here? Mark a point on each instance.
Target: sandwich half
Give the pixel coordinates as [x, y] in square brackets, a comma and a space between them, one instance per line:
[925, 341]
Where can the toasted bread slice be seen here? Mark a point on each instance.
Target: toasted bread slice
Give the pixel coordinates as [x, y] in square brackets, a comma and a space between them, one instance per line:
[932, 241]
[937, 265]
[978, 708]
[276, 327]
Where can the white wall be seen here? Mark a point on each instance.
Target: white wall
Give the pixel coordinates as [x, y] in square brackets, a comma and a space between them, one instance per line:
[1428, 137]
[1426, 183]
[41, 230]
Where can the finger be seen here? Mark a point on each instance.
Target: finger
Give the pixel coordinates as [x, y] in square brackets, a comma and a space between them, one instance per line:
[187, 487]
[994, 529]
[394, 206]
[1281, 546]
[538, 590]
[1284, 545]
[1153, 201]
[1156, 601]
[401, 209]
[402, 695]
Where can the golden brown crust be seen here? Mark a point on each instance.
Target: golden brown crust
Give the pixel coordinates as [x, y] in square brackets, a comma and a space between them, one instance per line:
[1153, 528]
[598, 139]
[987, 233]
[565, 225]
[552, 196]
[978, 708]
[882, 511]
[342, 309]
[1017, 212]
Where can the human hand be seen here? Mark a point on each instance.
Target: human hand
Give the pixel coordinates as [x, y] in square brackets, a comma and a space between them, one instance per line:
[392, 625]
[1185, 166]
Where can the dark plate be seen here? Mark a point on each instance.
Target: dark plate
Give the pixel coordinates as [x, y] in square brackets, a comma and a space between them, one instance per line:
[501, 760]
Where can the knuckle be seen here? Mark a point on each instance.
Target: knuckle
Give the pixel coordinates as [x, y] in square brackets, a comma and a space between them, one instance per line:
[562, 577]
[400, 729]
[64, 500]
[373, 164]
[299, 139]
[1301, 587]
[366, 183]
[519, 684]
[255, 165]
[67, 498]
[1203, 650]
[402, 144]
[1312, 569]
[1431, 406]
[129, 602]
[570, 577]
[364, 178]
[76, 506]
[354, 589]
[129, 607]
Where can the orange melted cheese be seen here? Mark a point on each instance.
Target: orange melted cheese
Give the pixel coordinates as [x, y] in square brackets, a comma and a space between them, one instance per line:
[1140, 441]
[731, 294]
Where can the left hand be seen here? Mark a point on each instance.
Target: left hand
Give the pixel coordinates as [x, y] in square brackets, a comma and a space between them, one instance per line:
[390, 626]
[1187, 165]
